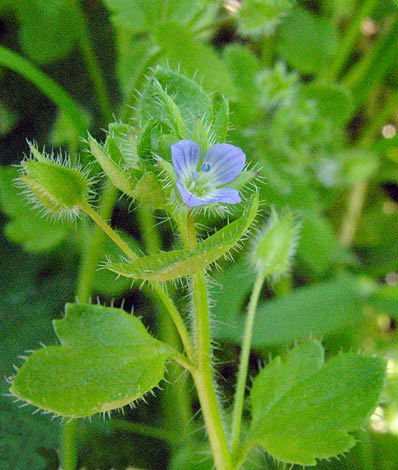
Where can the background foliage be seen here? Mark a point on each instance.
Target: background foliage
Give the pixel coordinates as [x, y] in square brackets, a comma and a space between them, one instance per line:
[313, 95]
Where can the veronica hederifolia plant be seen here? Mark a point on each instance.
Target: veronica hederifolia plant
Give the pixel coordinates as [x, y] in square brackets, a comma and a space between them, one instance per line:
[176, 159]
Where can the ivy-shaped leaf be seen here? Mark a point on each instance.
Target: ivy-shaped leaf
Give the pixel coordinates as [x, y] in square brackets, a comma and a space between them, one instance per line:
[179, 263]
[106, 360]
[303, 409]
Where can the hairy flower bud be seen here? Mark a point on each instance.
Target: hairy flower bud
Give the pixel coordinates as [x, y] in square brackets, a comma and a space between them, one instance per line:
[54, 185]
[276, 245]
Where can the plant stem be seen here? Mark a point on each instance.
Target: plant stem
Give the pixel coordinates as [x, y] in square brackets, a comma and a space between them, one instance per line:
[44, 83]
[114, 236]
[357, 195]
[202, 375]
[93, 67]
[349, 40]
[145, 430]
[176, 417]
[68, 446]
[163, 296]
[244, 365]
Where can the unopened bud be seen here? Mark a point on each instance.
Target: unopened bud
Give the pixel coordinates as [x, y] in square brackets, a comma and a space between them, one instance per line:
[276, 245]
[60, 189]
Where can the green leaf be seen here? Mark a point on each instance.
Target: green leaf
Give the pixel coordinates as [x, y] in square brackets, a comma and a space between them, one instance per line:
[195, 57]
[179, 263]
[319, 247]
[320, 309]
[334, 101]
[141, 16]
[188, 95]
[26, 226]
[303, 410]
[261, 16]
[307, 42]
[48, 29]
[107, 359]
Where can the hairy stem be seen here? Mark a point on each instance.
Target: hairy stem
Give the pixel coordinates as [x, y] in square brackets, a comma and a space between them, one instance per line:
[202, 375]
[163, 296]
[176, 417]
[243, 366]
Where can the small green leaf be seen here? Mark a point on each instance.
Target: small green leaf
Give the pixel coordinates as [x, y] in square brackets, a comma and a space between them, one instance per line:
[175, 264]
[189, 96]
[303, 410]
[107, 359]
[334, 101]
[180, 47]
[306, 41]
[261, 16]
[324, 308]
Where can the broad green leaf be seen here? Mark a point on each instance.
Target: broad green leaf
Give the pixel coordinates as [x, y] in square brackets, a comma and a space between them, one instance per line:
[319, 247]
[303, 410]
[195, 58]
[307, 42]
[48, 30]
[320, 309]
[175, 264]
[26, 226]
[237, 58]
[106, 360]
[261, 16]
[188, 95]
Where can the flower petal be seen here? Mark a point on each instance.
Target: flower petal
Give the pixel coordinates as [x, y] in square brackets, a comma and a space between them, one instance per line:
[189, 199]
[226, 162]
[185, 155]
[225, 195]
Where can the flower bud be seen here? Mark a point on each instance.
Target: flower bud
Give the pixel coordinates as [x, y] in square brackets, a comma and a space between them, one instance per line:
[276, 245]
[60, 189]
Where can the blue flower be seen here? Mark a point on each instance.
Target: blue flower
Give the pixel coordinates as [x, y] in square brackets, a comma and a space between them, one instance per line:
[201, 180]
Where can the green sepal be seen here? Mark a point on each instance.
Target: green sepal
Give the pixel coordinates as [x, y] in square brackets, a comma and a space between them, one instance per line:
[179, 263]
[120, 177]
[173, 113]
[149, 191]
[58, 188]
[303, 409]
[106, 360]
[200, 135]
[242, 179]
[220, 117]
